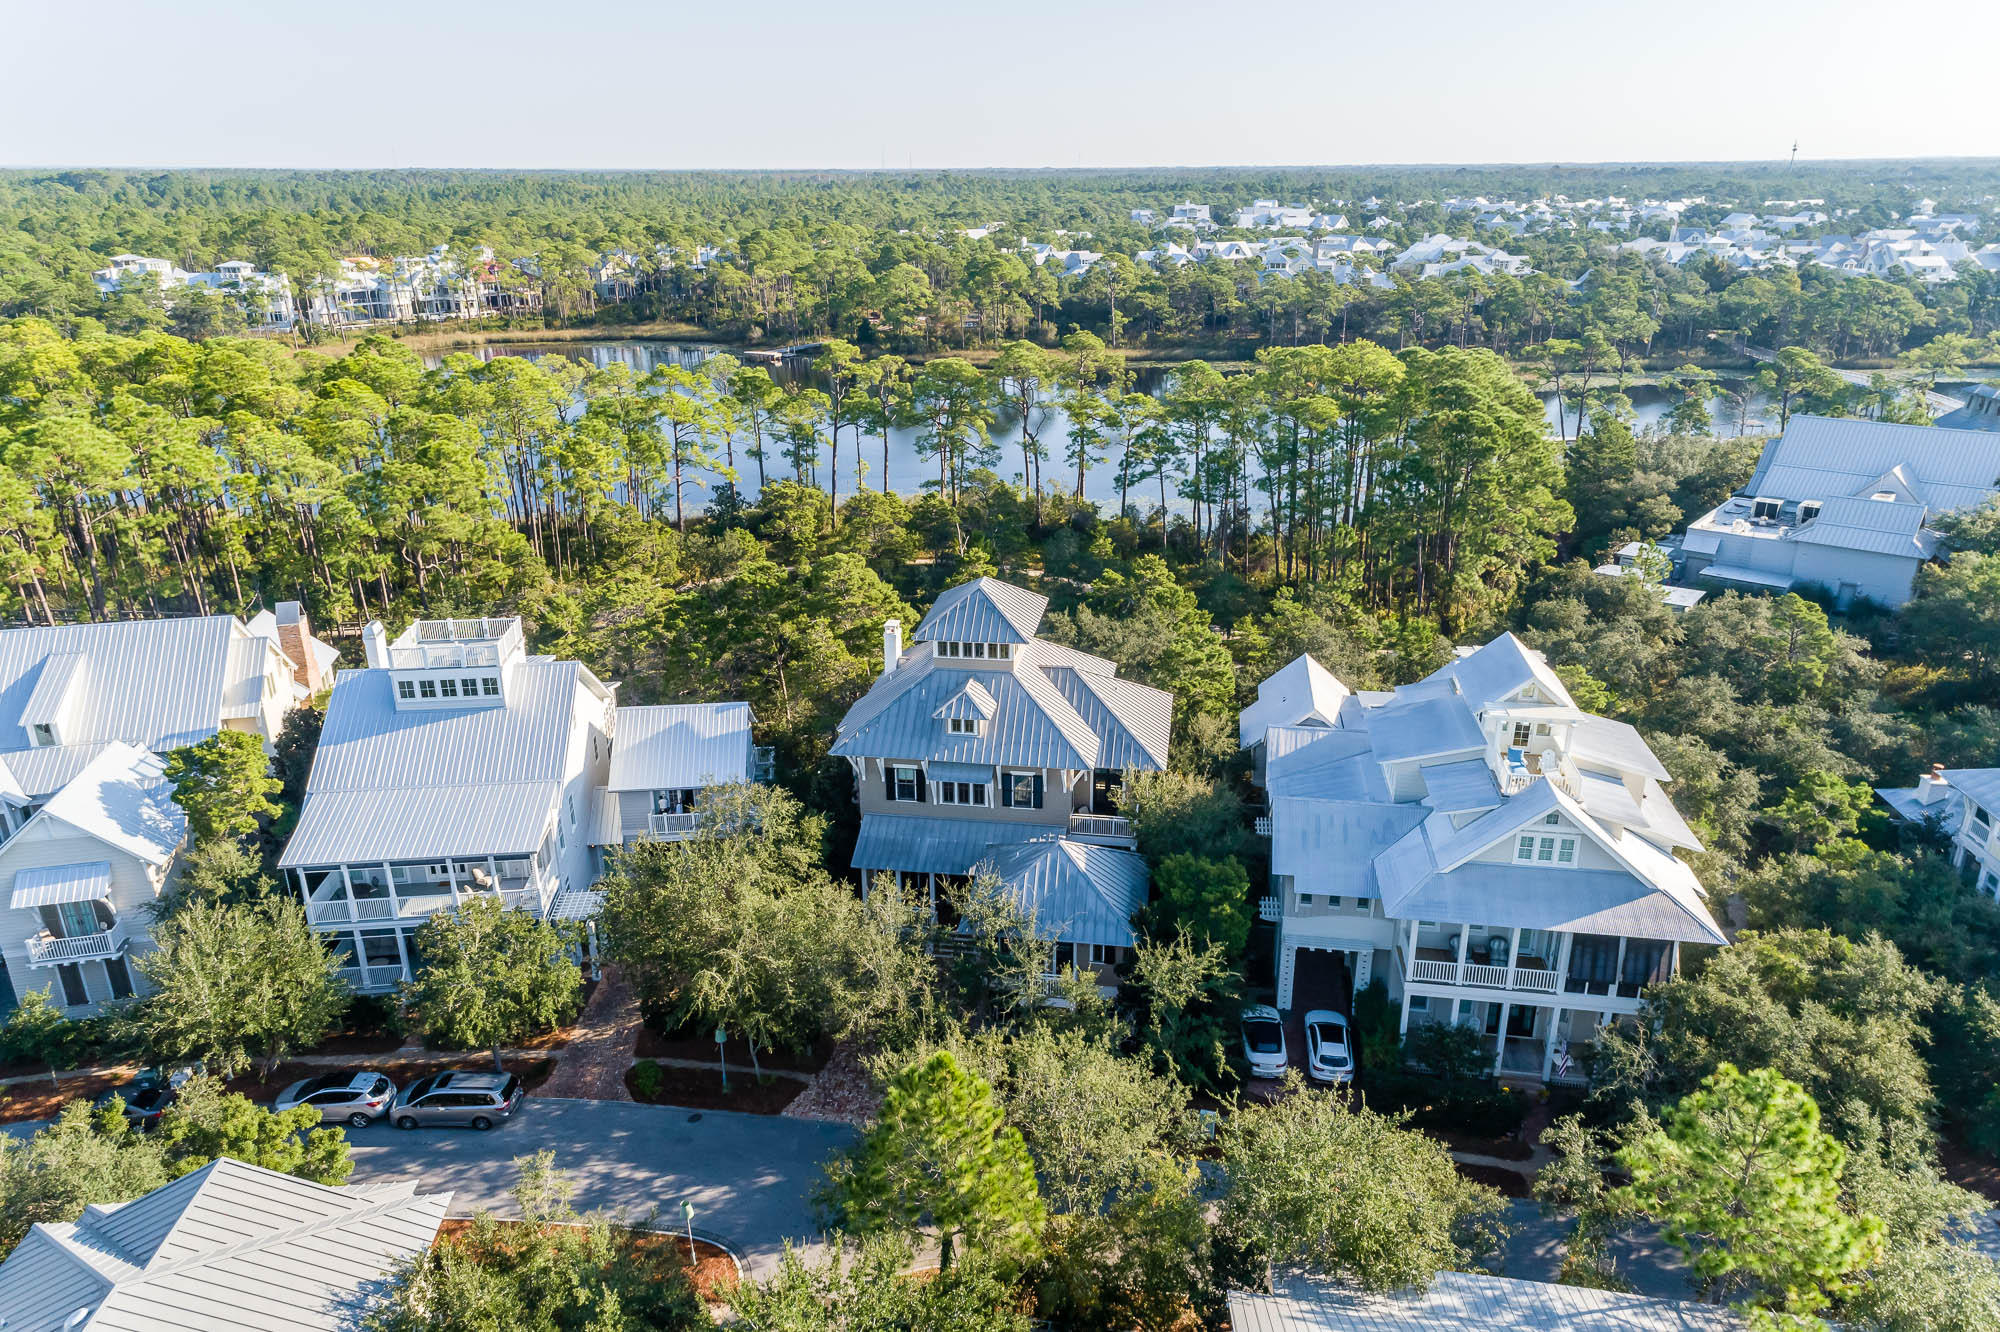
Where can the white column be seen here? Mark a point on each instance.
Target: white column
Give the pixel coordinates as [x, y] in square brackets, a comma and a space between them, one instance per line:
[1464, 942]
[389, 882]
[1549, 1045]
[1455, 1002]
[1562, 962]
[590, 932]
[1404, 1028]
[1618, 968]
[1513, 955]
[1500, 1053]
[403, 953]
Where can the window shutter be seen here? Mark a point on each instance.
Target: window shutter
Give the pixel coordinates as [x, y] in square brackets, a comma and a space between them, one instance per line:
[1038, 790]
[923, 791]
[1006, 791]
[889, 783]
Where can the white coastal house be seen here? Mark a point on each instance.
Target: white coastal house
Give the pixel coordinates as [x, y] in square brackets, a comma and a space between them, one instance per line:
[266, 298]
[663, 757]
[1963, 806]
[984, 747]
[1497, 855]
[455, 766]
[230, 1246]
[87, 713]
[1844, 504]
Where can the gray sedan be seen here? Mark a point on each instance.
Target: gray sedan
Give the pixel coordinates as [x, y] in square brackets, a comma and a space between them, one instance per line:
[359, 1097]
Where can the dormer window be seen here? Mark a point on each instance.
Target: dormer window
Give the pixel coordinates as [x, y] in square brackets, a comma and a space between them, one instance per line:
[962, 725]
[426, 688]
[1884, 497]
[1545, 850]
[448, 687]
[1765, 510]
[1808, 510]
[976, 651]
[406, 689]
[41, 735]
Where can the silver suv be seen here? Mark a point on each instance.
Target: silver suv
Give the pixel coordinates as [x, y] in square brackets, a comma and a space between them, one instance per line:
[478, 1100]
[359, 1097]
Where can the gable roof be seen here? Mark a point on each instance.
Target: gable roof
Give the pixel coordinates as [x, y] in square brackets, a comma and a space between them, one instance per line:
[1296, 692]
[1819, 457]
[678, 746]
[153, 683]
[123, 799]
[984, 610]
[1499, 670]
[228, 1248]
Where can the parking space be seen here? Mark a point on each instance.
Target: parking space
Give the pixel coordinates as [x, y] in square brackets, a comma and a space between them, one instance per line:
[1320, 979]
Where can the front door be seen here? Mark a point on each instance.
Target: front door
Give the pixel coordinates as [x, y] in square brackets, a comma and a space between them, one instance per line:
[1106, 784]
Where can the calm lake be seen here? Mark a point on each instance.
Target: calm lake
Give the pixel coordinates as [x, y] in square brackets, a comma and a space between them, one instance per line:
[907, 469]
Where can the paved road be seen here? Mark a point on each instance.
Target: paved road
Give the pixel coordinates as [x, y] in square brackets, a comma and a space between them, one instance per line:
[748, 1176]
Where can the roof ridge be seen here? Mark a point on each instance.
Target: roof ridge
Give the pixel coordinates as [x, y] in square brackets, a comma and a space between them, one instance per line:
[373, 1208]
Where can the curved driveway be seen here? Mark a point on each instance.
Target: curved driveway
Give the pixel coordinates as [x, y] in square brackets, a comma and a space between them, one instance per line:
[750, 1177]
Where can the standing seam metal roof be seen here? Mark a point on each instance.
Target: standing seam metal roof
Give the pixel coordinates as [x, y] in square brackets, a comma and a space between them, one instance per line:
[154, 683]
[679, 746]
[1821, 457]
[984, 610]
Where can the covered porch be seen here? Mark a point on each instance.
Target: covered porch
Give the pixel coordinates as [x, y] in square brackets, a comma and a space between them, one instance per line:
[1524, 1042]
[415, 890]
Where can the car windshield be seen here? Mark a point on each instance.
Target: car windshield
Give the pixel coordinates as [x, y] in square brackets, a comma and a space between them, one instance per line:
[315, 1085]
[1265, 1037]
[419, 1087]
[147, 1098]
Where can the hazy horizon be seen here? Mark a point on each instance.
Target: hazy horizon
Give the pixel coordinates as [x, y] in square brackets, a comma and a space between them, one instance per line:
[897, 85]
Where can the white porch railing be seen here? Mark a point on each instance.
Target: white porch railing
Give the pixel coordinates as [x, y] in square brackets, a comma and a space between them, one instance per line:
[1100, 825]
[1479, 974]
[1438, 973]
[46, 950]
[1537, 980]
[1263, 825]
[1540, 981]
[672, 827]
[372, 978]
[1269, 908]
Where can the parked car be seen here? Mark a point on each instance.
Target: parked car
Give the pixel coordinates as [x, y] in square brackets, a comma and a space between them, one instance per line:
[359, 1096]
[1329, 1047]
[478, 1100]
[146, 1098]
[1264, 1041]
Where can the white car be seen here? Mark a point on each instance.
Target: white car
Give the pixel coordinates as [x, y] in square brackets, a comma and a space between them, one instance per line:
[1329, 1048]
[1264, 1041]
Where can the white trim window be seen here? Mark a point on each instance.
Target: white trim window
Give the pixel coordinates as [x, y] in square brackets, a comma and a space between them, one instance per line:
[962, 725]
[905, 782]
[1545, 850]
[962, 793]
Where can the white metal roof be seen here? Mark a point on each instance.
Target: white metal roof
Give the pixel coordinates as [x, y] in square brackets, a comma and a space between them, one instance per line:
[230, 1248]
[1077, 892]
[123, 799]
[1820, 457]
[917, 844]
[984, 610]
[678, 746]
[48, 885]
[1296, 692]
[1456, 1301]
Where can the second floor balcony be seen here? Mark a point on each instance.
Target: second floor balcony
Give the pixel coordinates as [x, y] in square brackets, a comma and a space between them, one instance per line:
[1545, 962]
[376, 894]
[48, 949]
[1107, 829]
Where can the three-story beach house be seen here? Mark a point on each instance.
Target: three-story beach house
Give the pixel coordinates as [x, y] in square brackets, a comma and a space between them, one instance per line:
[985, 748]
[455, 766]
[1497, 855]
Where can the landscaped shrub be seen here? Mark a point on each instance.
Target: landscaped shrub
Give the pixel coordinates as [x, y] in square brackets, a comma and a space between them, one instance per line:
[647, 1079]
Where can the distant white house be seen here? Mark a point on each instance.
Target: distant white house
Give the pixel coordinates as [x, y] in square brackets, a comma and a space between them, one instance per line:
[266, 298]
[231, 1246]
[1501, 858]
[1845, 504]
[662, 758]
[1964, 805]
[455, 766]
[90, 832]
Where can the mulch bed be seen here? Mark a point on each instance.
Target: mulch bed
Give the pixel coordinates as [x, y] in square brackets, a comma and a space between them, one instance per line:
[693, 1045]
[358, 1043]
[1511, 1183]
[714, 1272]
[22, 1101]
[532, 1072]
[701, 1089]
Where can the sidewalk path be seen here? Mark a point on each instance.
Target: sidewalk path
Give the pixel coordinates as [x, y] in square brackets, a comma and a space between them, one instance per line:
[600, 1046]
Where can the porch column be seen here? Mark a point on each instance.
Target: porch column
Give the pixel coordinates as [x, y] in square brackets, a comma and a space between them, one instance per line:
[1618, 969]
[1404, 1028]
[1464, 942]
[389, 882]
[1676, 946]
[1549, 1045]
[1455, 1002]
[1562, 963]
[930, 889]
[1500, 1054]
[451, 877]
[1513, 955]
[403, 953]
[590, 932]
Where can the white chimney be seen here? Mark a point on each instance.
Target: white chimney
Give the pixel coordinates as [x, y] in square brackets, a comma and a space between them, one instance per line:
[375, 642]
[892, 645]
[1932, 786]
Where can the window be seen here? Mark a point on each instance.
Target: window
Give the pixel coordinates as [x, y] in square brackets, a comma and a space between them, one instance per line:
[1808, 510]
[1765, 508]
[469, 686]
[947, 649]
[962, 725]
[405, 689]
[1566, 851]
[978, 650]
[1546, 850]
[905, 783]
[1552, 818]
[121, 979]
[1104, 955]
[1305, 899]
[1980, 817]
[961, 793]
[42, 733]
[1003, 650]
[427, 688]
[1021, 790]
[1065, 956]
[74, 993]
[1522, 734]
[492, 685]
[448, 687]
[78, 919]
[1525, 849]
[1420, 1003]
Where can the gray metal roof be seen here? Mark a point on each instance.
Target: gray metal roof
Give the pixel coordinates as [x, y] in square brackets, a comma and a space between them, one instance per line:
[48, 885]
[157, 684]
[679, 746]
[230, 1248]
[1822, 457]
[1459, 787]
[1456, 1301]
[919, 845]
[1603, 740]
[984, 610]
[42, 772]
[1422, 727]
[1033, 725]
[1134, 722]
[423, 782]
[122, 798]
[1499, 669]
[1981, 784]
[1077, 892]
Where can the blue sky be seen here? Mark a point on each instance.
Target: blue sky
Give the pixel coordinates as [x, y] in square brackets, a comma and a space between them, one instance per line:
[867, 83]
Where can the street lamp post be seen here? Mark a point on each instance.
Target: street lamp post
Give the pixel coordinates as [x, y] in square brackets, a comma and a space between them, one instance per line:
[687, 1219]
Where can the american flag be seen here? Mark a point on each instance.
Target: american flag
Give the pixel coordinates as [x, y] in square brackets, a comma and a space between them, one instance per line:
[1562, 1059]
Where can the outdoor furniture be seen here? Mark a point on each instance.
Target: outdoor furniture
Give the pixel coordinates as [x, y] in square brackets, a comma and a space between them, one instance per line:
[1496, 950]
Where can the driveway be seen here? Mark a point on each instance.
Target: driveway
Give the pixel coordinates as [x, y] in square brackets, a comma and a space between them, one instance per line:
[749, 1177]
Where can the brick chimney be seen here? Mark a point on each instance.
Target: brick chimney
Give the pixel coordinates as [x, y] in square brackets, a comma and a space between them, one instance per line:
[295, 637]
